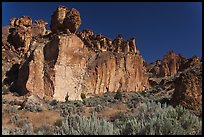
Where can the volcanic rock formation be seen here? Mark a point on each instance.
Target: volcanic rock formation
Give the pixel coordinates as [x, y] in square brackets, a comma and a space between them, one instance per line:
[70, 64]
[188, 89]
[38, 28]
[54, 64]
[168, 66]
[64, 20]
[21, 34]
[66, 66]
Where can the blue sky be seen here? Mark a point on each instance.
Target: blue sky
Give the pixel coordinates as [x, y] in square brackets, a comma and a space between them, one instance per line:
[158, 27]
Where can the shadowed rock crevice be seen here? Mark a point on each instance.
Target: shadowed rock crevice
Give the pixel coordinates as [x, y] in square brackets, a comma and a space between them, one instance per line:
[50, 53]
[11, 77]
[23, 77]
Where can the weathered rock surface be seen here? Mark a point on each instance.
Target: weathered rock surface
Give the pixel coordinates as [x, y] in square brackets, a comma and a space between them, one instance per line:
[17, 42]
[55, 67]
[20, 33]
[188, 89]
[10, 59]
[66, 66]
[24, 21]
[168, 66]
[100, 43]
[72, 21]
[64, 20]
[110, 71]
[38, 28]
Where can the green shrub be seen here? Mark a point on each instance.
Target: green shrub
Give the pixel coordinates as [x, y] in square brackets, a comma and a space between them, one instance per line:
[5, 131]
[67, 97]
[157, 119]
[27, 129]
[83, 96]
[79, 125]
[118, 95]
[58, 123]
[45, 130]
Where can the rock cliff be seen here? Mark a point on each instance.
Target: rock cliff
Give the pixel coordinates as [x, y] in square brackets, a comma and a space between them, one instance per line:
[65, 20]
[64, 61]
[170, 65]
[188, 89]
[69, 64]
[66, 66]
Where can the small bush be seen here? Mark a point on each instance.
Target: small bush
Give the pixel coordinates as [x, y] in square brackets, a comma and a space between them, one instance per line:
[67, 98]
[157, 119]
[58, 123]
[54, 102]
[27, 129]
[83, 96]
[45, 130]
[118, 95]
[79, 125]
[99, 108]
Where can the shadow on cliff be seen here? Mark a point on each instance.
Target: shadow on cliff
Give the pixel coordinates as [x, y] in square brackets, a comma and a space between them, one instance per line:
[10, 39]
[12, 77]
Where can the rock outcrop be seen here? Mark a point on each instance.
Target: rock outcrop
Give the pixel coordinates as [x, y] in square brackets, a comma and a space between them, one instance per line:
[113, 72]
[38, 28]
[168, 66]
[24, 21]
[64, 20]
[66, 66]
[72, 21]
[188, 89]
[100, 43]
[20, 33]
[17, 44]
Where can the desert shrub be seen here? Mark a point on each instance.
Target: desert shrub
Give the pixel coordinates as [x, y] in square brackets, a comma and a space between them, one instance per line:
[157, 119]
[58, 123]
[120, 115]
[10, 109]
[99, 108]
[92, 101]
[45, 130]
[5, 131]
[5, 89]
[79, 125]
[26, 129]
[54, 102]
[14, 119]
[32, 107]
[118, 95]
[77, 103]
[67, 97]
[83, 96]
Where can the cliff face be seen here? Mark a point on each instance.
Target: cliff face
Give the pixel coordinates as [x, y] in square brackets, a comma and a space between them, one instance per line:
[110, 71]
[188, 89]
[54, 64]
[66, 66]
[69, 63]
[170, 65]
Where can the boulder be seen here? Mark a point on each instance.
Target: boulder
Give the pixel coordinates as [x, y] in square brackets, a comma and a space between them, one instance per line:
[64, 20]
[20, 33]
[38, 28]
[72, 21]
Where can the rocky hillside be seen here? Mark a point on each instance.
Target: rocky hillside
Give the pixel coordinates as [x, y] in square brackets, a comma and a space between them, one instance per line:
[63, 63]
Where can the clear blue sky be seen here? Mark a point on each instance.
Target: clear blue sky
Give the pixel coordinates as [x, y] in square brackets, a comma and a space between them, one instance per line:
[158, 27]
